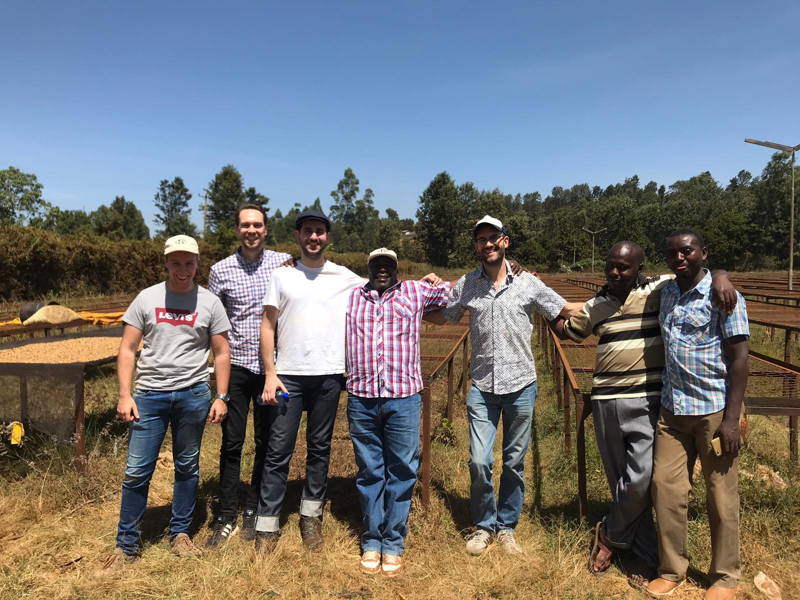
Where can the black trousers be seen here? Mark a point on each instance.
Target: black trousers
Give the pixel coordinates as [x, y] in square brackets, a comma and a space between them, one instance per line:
[245, 388]
[319, 396]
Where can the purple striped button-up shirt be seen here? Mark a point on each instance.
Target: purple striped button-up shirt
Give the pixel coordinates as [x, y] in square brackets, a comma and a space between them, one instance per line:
[382, 339]
[241, 286]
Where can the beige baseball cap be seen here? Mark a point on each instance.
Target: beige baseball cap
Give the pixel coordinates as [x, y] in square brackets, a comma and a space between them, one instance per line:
[383, 252]
[181, 243]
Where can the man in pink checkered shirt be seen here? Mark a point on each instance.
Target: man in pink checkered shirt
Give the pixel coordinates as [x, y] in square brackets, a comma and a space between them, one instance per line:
[383, 408]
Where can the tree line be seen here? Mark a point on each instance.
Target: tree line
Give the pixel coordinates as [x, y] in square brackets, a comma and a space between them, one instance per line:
[745, 223]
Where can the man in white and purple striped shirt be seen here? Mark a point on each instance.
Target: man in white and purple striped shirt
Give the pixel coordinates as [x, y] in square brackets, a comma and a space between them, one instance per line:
[383, 408]
[240, 281]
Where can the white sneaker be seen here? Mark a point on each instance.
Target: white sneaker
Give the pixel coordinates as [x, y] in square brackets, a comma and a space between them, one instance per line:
[478, 541]
[506, 540]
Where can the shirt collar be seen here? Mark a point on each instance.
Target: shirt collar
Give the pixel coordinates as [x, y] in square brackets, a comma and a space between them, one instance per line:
[246, 263]
[702, 288]
[368, 290]
[509, 274]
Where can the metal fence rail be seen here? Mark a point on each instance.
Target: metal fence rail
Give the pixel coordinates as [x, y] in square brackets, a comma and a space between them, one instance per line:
[434, 366]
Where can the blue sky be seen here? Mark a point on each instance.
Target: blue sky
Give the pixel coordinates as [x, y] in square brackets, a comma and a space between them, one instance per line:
[107, 98]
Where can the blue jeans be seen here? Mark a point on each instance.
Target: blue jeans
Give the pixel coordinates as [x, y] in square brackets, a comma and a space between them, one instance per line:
[484, 410]
[385, 435]
[185, 411]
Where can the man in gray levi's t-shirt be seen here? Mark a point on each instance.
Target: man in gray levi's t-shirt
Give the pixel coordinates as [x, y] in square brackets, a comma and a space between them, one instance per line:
[175, 357]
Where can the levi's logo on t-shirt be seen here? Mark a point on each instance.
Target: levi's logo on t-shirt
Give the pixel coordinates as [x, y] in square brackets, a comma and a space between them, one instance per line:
[175, 316]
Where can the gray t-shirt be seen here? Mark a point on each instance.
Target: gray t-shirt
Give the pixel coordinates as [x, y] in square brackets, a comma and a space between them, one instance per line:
[177, 335]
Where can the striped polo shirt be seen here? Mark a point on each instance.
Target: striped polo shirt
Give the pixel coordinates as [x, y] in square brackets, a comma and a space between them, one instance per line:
[630, 353]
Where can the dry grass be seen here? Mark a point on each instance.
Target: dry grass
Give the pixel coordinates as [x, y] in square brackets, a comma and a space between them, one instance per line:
[56, 526]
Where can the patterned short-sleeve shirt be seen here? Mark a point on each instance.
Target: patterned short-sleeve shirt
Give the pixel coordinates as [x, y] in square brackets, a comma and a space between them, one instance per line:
[500, 326]
[696, 370]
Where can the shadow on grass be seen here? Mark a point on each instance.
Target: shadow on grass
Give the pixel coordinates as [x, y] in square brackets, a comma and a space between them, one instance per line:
[457, 504]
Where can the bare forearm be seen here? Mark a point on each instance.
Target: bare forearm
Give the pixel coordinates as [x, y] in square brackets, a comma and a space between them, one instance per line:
[125, 365]
[737, 382]
[267, 343]
[222, 371]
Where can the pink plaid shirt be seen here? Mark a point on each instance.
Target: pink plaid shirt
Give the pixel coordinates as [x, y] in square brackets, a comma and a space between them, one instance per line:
[382, 340]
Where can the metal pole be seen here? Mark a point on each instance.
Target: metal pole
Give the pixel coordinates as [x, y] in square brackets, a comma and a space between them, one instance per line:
[791, 230]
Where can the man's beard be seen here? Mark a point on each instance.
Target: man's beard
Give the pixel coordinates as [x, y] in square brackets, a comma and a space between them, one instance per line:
[501, 255]
[312, 255]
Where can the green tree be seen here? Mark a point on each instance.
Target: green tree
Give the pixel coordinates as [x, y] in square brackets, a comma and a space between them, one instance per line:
[441, 219]
[20, 196]
[64, 222]
[224, 194]
[172, 202]
[343, 209]
[252, 196]
[121, 220]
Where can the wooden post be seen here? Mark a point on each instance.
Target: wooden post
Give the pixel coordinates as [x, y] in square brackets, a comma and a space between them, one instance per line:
[426, 446]
[464, 368]
[580, 419]
[80, 424]
[567, 414]
[787, 346]
[23, 398]
[793, 450]
[450, 408]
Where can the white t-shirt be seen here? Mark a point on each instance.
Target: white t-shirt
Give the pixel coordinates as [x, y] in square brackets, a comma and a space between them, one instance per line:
[312, 304]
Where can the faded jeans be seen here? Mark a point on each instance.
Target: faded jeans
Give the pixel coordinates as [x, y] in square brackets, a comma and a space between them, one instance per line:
[185, 411]
[484, 410]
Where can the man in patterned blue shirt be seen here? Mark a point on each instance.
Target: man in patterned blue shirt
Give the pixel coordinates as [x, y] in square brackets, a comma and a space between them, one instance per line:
[503, 375]
[703, 386]
[240, 281]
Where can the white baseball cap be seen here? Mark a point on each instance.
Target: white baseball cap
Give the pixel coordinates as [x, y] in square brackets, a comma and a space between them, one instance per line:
[383, 252]
[181, 243]
[488, 220]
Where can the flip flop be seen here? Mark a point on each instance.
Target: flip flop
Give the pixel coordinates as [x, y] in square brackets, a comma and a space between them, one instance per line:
[664, 594]
[597, 547]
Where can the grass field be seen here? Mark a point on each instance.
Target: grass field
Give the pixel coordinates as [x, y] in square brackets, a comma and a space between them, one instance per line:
[57, 526]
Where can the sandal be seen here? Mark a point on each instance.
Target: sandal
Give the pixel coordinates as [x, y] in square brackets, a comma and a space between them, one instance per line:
[370, 562]
[602, 555]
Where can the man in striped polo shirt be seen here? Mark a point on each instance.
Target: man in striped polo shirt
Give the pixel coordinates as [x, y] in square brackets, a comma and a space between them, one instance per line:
[626, 390]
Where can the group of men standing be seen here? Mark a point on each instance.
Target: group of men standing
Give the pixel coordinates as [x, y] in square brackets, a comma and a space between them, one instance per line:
[295, 332]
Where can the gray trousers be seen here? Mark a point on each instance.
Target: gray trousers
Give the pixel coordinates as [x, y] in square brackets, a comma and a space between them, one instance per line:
[625, 429]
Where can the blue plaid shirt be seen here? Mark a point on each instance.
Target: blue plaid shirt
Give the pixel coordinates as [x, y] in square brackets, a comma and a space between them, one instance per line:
[241, 286]
[694, 378]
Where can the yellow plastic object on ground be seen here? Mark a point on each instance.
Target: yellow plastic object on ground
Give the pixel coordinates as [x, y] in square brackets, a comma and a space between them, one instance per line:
[17, 433]
[105, 318]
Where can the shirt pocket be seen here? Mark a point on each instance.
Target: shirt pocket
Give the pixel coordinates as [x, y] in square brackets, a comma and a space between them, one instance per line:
[696, 326]
[402, 311]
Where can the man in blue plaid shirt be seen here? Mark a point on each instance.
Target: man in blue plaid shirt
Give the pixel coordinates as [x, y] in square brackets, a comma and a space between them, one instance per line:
[703, 386]
[240, 281]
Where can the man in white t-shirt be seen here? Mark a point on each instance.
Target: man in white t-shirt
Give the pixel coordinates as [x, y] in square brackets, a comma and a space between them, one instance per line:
[311, 299]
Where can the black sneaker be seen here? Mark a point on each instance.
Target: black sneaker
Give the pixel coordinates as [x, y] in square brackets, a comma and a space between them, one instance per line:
[223, 530]
[311, 532]
[248, 531]
[266, 541]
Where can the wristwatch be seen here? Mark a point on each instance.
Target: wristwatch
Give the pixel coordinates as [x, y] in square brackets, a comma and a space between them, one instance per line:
[223, 397]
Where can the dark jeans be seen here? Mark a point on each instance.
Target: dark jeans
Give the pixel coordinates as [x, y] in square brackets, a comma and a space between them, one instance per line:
[245, 388]
[319, 396]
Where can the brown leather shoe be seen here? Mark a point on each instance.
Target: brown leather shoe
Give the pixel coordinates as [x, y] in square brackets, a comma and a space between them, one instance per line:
[184, 547]
[311, 532]
[661, 588]
[717, 592]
